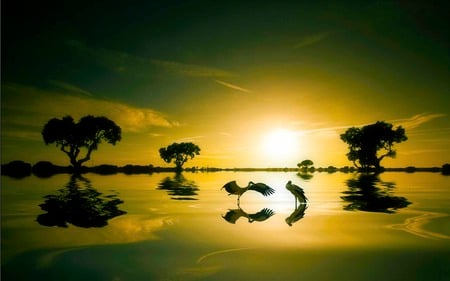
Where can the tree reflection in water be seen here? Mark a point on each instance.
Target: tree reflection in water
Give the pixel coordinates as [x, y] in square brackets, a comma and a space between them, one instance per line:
[79, 204]
[305, 176]
[179, 187]
[368, 193]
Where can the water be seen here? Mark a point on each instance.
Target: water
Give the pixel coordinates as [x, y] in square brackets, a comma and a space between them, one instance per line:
[164, 227]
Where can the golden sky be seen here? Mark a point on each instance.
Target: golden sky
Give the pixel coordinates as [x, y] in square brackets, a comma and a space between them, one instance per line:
[253, 86]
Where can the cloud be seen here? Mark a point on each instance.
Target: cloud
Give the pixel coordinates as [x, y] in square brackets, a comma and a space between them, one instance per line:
[125, 62]
[70, 88]
[190, 139]
[225, 134]
[111, 59]
[232, 86]
[417, 120]
[422, 151]
[192, 69]
[28, 107]
[22, 134]
[407, 123]
[312, 39]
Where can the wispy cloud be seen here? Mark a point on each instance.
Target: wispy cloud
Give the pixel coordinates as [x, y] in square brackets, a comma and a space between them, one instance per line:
[417, 120]
[407, 123]
[70, 88]
[311, 39]
[192, 69]
[225, 134]
[124, 62]
[190, 139]
[111, 59]
[22, 134]
[422, 151]
[29, 107]
[232, 86]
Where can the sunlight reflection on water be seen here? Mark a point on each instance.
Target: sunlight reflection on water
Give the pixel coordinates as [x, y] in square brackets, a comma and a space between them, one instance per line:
[162, 238]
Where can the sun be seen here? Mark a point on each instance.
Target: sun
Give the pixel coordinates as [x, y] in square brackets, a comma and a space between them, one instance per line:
[281, 144]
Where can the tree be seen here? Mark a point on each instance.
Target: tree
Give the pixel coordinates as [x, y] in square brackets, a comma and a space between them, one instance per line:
[88, 133]
[179, 152]
[365, 143]
[304, 164]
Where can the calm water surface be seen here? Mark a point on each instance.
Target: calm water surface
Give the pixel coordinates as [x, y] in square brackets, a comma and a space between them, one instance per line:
[164, 227]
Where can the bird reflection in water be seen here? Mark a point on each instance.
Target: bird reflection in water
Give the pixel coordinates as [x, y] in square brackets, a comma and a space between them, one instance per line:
[233, 215]
[80, 205]
[233, 189]
[179, 187]
[299, 195]
[297, 214]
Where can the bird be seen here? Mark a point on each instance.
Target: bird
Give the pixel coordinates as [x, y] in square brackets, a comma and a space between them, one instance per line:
[232, 188]
[298, 193]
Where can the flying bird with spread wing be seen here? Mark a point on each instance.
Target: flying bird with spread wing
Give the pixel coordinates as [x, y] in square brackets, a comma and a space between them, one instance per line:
[233, 189]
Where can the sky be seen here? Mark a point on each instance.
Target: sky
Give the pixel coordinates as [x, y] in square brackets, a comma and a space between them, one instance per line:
[252, 83]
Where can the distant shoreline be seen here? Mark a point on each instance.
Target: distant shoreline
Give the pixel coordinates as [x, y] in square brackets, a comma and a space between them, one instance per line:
[20, 169]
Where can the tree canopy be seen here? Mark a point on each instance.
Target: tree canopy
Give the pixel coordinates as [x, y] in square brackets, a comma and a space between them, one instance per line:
[88, 133]
[367, 142]
[179, 152]
[305, 164]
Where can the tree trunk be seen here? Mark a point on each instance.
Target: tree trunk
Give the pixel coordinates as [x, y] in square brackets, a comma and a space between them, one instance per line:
[76, 168]
[179, 166]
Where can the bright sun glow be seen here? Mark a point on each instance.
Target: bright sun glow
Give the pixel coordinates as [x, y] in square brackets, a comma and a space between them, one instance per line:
[281, 144]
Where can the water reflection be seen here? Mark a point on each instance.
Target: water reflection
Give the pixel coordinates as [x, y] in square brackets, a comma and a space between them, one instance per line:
[297, 214]
[305, 176]
[300, 197]
[79, 204]
[179, 187]
[234, 214]
[368, 193]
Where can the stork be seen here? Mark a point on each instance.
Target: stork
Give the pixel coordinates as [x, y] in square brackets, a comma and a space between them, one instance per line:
[232, 188]
[298, 193]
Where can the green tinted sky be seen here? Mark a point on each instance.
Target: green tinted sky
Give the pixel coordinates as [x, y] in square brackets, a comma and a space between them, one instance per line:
[225, 74]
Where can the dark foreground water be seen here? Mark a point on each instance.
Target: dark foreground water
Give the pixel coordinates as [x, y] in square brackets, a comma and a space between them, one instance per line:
[164, 227]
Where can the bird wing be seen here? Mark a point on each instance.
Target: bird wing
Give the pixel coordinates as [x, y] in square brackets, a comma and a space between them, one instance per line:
[233, 215]
[231, 187]
[262, 188]
[302, 195]
[299, 192]
[262, 215]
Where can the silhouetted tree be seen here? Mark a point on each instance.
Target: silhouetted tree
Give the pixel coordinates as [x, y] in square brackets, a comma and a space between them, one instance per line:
[446, 169]
[88, 133]
[364, 143]
[305, 164]
[16, 169]
[179, 152]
